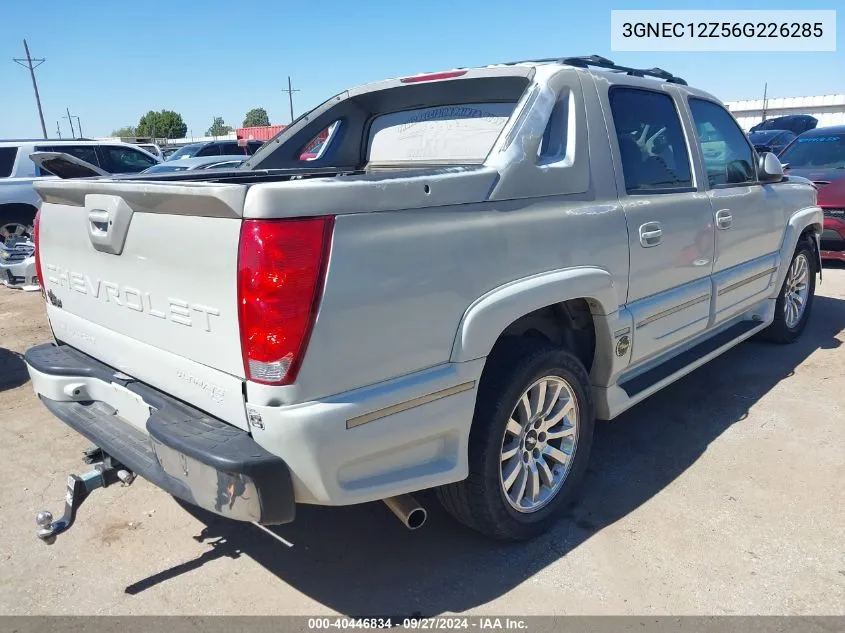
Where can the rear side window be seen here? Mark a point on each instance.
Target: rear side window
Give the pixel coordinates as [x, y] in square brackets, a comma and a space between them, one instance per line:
[652, 149]
[210, 150]
[82, 152]
[728, 156]
[460, 133]
[231, 149]
[557, 142]
[7, 160]
[124, 160]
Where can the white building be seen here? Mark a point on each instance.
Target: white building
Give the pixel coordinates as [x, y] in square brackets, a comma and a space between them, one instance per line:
[828, 109]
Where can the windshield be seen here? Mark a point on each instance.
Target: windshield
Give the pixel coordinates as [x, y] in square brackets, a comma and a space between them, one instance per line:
[165, 167]
[189, 151]
[827, 151]
[764, 137]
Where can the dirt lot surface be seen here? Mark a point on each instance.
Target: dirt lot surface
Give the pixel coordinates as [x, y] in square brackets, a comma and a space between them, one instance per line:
[721, 495]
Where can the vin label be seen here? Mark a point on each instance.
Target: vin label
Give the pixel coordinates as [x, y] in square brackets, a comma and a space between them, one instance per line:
[733, 31]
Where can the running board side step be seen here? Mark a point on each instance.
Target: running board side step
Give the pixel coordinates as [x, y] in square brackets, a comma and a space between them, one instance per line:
[642, 382]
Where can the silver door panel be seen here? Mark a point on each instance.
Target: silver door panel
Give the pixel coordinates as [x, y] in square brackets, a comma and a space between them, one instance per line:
[668, 318]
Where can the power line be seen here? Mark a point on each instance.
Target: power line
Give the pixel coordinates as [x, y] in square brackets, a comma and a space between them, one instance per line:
[290, 92]
[29, 64]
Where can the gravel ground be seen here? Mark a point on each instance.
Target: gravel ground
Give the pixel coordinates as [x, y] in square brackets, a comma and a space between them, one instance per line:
[720, 495]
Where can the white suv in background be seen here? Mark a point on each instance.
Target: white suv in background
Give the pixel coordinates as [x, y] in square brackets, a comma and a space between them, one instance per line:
[18, 200]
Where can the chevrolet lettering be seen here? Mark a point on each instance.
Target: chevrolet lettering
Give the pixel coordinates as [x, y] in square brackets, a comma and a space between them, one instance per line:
[176, 310]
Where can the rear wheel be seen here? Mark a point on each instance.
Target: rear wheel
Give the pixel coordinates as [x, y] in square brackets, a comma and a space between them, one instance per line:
[530, 441]
[792, 310]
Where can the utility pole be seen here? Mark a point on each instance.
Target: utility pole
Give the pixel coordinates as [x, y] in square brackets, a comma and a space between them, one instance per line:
[58, 130]
[29, 64]
[78, 125]
[70, 120]
[765, 89]
[290, 92]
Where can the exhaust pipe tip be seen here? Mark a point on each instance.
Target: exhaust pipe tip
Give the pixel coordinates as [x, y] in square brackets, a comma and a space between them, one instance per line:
[416, 519]
[407, 510]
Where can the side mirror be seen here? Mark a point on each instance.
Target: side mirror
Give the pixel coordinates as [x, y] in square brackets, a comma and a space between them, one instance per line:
[769, 168]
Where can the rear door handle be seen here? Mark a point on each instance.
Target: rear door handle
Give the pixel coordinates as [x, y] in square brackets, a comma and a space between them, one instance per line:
[724, 219]
[651, 234]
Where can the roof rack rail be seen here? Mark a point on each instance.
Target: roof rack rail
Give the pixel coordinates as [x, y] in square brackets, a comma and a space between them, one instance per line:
[598, 61]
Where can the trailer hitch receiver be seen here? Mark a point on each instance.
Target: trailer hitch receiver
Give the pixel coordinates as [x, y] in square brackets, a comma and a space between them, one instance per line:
[105, 472]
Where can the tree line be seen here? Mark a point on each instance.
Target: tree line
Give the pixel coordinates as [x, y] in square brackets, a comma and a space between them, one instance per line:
[169, 124]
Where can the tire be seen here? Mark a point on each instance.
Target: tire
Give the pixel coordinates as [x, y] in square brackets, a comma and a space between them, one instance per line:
[785, 329]
[13, 215]
[480, 500]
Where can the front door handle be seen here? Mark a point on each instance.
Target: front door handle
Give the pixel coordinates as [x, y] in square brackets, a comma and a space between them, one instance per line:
[724, 219]
[651, 234]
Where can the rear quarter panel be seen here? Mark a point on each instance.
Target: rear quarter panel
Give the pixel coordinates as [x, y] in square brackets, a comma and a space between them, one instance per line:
[398, 283]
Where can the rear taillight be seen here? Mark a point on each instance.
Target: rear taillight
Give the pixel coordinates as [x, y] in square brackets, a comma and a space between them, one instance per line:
[35, 233]
[281, 266]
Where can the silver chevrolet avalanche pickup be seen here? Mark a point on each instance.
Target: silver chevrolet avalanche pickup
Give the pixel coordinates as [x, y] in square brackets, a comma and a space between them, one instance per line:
[445, 293]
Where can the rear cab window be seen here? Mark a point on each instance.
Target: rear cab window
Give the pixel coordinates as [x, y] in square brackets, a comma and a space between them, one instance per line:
[458, 133]
[7, 160]
[412, 122]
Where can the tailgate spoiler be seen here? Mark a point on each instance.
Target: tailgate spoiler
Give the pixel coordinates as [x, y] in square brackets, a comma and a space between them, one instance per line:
[183, 198]
[66, 166]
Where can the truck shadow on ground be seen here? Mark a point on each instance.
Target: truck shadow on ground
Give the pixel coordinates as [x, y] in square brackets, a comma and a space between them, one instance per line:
[12, 369]
[360, 560]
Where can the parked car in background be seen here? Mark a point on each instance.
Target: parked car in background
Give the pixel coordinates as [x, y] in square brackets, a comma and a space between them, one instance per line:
[198, 162]
[167, 152]
[818, 155]
[18, 200]
[216, 148]
[795, 123]
[771, 140]
[17, 261]
[831, 199]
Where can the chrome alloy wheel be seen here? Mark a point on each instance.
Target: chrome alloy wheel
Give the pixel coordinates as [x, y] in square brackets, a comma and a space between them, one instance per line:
[539, 444]
[797, 290]
[14, 230]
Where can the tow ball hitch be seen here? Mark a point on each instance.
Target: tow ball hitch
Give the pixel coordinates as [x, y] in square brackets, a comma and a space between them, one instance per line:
[105, 472]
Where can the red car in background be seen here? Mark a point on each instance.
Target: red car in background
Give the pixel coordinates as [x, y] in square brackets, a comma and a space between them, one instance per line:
[832, 201]
[819, 155]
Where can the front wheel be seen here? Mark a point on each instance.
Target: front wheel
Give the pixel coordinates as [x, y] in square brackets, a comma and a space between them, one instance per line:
[792, 310]
[529, 444]
[16, 225]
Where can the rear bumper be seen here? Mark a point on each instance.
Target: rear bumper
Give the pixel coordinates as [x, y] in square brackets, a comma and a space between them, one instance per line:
[191, 455]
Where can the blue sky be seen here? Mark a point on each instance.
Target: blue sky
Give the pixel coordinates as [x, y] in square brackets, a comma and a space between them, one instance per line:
[110, 62]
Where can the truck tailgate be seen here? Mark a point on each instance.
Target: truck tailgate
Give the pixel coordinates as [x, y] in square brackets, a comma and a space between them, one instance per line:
[137, 277]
